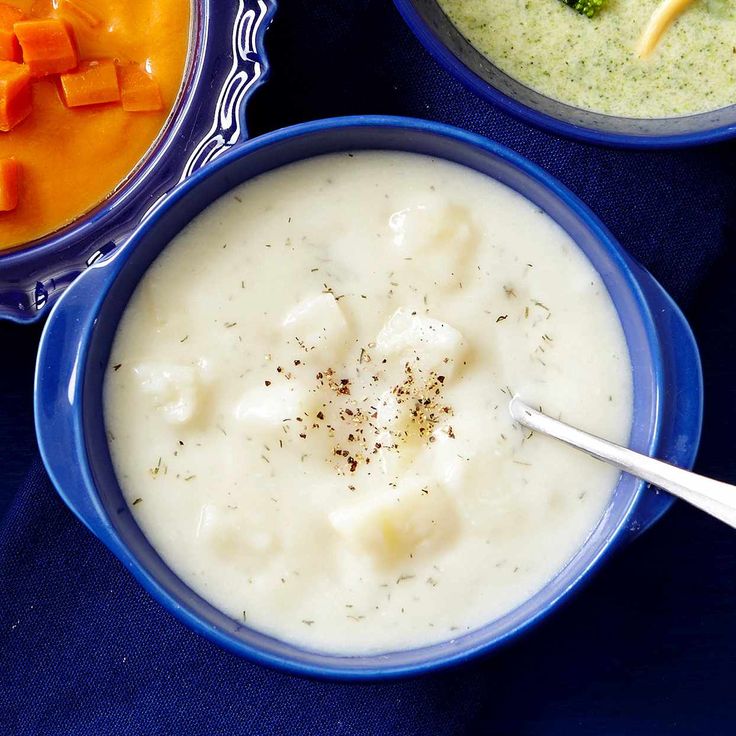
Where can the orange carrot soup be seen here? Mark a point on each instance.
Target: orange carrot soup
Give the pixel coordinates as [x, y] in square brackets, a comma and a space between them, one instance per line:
[85, 88]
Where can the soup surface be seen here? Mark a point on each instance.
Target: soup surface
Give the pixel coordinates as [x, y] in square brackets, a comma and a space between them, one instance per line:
[71, 158]
[592, 63]
[307, 401]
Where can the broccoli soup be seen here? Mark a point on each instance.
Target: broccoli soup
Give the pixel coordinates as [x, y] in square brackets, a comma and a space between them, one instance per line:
[633, 58]
[312, 427]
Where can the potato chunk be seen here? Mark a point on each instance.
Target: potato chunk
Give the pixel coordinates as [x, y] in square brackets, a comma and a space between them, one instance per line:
[389, 527]
[407, 334]
[444, 236]
[318, 322]
[267, 407]
[435, 225]
[231, 535]
[175, 389]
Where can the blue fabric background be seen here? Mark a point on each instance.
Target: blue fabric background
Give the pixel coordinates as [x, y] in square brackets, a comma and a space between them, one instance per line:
[647, 648]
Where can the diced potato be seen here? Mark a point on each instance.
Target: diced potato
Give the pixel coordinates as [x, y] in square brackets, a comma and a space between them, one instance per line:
[390, 414]
[441, 459]
[269, 406]
[419, 516]
[393, 423]
[433, 224]
[443, 236]
[231, 535]
[318, 322]
[175, 389]
[438, 346]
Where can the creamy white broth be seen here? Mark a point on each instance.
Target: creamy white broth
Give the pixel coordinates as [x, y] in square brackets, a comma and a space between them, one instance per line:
[307, 401]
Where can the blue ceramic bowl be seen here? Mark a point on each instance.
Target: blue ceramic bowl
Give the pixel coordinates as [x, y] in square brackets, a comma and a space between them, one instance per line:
[225, 63]
[76, 344]
[443, 40]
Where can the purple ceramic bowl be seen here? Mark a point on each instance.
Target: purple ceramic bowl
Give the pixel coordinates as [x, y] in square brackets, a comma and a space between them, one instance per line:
[225, 63]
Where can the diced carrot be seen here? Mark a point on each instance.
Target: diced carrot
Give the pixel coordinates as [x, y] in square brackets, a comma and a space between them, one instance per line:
[92, 83]
[48, 46]
[9, 46]
[139, 91]
[9, 174]
[79, 10]
[15, 94]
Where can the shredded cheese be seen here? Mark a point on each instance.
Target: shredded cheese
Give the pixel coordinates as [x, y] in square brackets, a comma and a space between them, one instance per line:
[660, 21]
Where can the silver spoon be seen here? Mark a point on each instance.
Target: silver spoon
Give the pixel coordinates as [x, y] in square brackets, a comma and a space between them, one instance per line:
[712, 496]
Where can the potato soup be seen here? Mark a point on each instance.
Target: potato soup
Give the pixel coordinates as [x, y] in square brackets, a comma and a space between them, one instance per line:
[307, 401]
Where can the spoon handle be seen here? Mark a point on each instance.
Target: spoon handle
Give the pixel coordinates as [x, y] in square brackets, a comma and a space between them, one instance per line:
[712, 496]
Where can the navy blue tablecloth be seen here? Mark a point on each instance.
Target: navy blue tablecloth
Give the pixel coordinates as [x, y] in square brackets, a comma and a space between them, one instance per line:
[647, 648]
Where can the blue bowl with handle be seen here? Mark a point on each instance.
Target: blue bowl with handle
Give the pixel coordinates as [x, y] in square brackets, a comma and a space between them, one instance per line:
[225, 64]
[454, 52]
[76, 344]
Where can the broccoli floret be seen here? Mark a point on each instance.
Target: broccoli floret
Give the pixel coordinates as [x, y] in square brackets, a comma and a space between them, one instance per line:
[585, 7]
